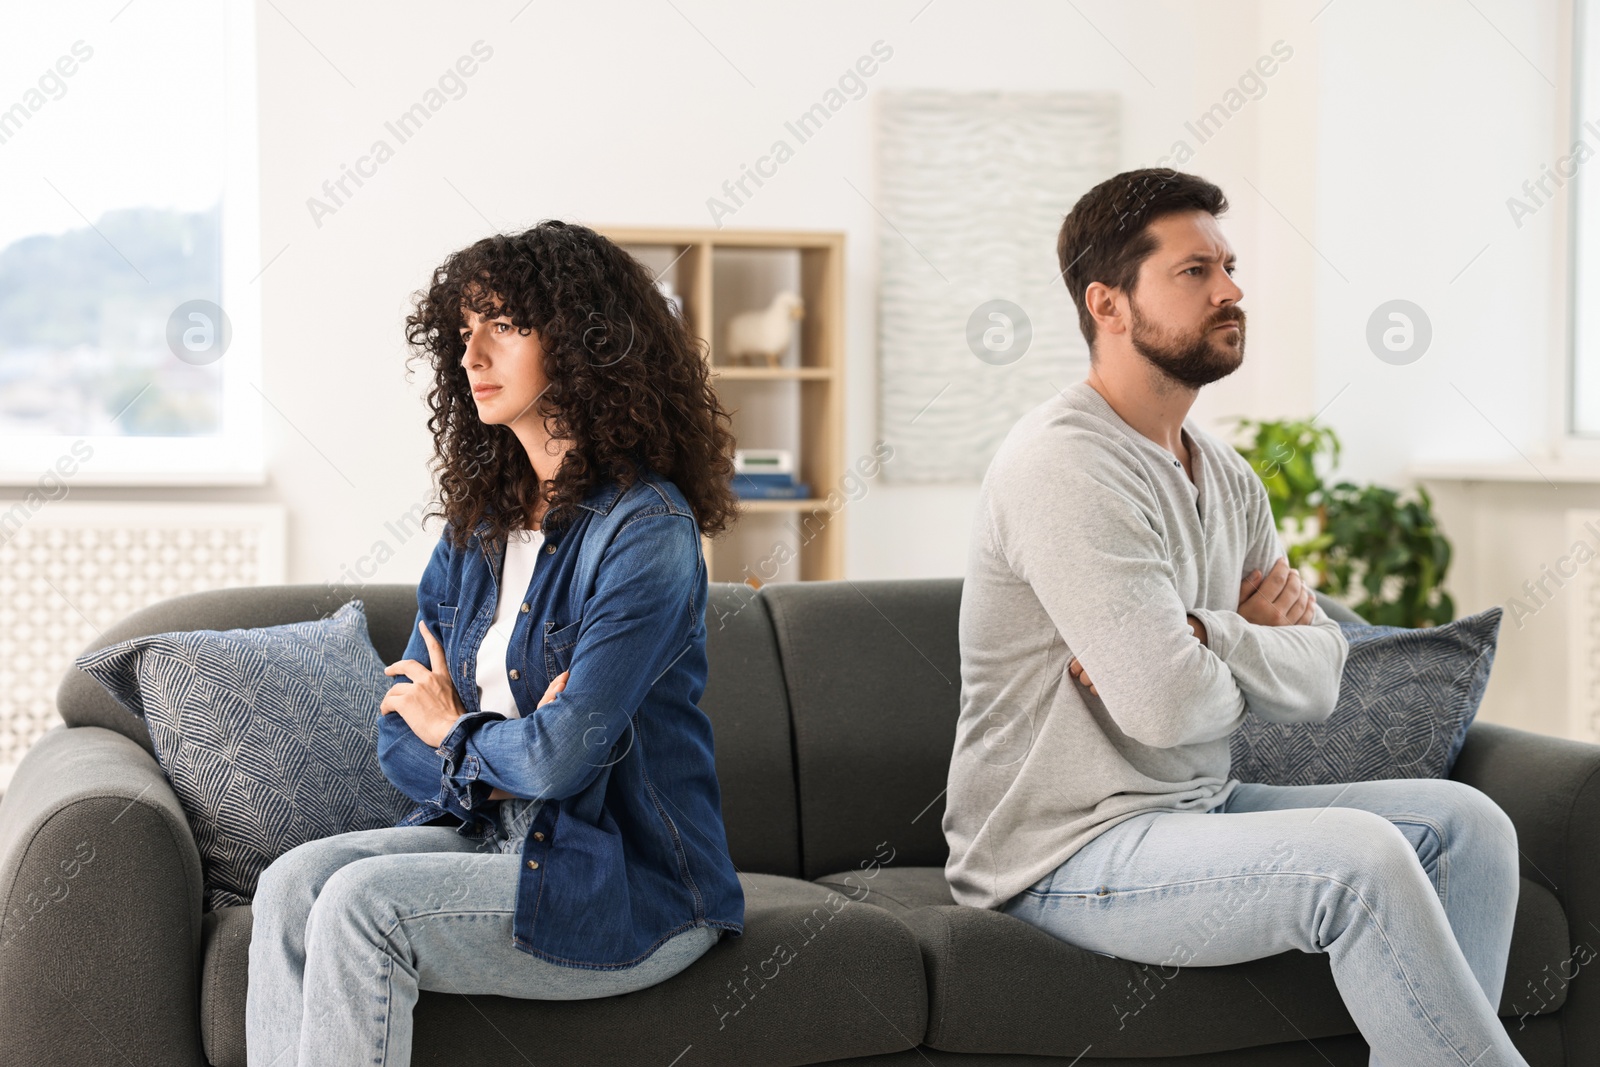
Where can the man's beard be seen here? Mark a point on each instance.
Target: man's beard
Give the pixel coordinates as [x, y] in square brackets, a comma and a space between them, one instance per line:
[1195, 359]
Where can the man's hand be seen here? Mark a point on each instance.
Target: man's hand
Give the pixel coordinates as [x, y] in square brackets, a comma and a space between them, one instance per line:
[428, 704]
[557, 684]
[1278, 599]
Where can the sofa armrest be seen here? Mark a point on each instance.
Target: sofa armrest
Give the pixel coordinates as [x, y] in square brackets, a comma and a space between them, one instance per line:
[100, 882]
[1550, 787]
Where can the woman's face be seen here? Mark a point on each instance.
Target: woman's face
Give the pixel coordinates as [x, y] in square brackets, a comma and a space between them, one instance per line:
[505, 368]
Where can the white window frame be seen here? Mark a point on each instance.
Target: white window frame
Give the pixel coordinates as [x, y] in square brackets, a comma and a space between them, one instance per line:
[234, 457]
[1579, 230]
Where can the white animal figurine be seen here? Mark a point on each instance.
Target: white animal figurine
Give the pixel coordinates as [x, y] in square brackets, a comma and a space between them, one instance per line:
[764, 335]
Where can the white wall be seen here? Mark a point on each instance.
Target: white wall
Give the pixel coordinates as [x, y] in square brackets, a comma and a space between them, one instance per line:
[1375, 166]
[1427, 122]
[584, 114]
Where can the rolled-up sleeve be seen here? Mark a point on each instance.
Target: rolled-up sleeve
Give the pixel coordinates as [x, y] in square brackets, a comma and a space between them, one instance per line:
[414, 767]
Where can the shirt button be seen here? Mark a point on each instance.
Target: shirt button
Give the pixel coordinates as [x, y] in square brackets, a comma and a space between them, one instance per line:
[515, 674]
[533, 865]
[549, 549]
[524, 609]
[538, 835]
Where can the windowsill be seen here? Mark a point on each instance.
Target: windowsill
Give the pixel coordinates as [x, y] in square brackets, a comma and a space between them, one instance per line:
[1561, 472]
[85, 478]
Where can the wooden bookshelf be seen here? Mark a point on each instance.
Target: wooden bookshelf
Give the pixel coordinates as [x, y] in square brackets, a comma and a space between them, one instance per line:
[798, 405]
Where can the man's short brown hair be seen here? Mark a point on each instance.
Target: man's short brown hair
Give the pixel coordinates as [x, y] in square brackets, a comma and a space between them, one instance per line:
[1106, 235]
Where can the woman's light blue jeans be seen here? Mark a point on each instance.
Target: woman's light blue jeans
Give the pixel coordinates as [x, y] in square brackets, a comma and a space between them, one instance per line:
[1409, 885]
[348, 929]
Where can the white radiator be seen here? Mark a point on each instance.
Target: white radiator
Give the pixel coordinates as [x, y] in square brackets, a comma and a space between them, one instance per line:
[69, 570]
[1583, 629]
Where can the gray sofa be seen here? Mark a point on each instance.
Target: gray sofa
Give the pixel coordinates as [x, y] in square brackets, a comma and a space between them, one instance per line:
[834, 705]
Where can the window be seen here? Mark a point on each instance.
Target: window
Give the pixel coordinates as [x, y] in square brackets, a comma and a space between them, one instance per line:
[129, 255]
[1583, 413]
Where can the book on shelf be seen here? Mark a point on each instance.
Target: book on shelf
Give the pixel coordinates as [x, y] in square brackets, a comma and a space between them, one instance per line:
[746, 479]
[748, 488]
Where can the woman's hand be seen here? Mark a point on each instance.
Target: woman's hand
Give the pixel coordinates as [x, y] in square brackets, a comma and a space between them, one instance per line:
[556, 685]
[1076, 670]
[429, 703]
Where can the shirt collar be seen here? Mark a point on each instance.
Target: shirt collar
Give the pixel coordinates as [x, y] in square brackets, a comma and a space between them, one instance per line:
[600, 500]
[1103, 406]
[603, 497]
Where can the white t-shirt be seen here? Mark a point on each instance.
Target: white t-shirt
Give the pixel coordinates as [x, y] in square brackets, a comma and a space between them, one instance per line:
[494, 687]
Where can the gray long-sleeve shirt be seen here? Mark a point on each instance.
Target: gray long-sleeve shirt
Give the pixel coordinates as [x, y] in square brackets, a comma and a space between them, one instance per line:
[1091, 541]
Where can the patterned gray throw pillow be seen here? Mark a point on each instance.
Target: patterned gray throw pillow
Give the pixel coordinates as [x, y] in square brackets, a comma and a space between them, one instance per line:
[269, 736]
[1406, 698]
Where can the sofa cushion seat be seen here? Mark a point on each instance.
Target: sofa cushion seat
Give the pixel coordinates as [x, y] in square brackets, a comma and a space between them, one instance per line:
[815, 977]
[997, 984]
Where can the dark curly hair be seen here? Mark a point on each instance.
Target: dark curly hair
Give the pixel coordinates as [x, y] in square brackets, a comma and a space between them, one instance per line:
[629, 383]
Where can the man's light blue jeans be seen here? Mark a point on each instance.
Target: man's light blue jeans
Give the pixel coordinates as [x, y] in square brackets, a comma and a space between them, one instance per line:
[349, 928]
[1409, 885]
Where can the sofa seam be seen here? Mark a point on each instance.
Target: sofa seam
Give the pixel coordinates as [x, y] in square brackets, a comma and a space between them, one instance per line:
[775, 626]
[865, 900]
[208, 985]
[937, 995]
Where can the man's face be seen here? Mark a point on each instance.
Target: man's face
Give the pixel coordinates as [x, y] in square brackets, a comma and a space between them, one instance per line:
[1186, 321]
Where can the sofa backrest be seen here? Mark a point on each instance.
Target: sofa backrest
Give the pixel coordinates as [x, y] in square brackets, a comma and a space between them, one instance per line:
[748, 707]
[833, 704]
[744, 695]
[873, 670]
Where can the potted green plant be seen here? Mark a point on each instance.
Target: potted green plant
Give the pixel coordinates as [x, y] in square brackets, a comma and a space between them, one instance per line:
[1368, 547]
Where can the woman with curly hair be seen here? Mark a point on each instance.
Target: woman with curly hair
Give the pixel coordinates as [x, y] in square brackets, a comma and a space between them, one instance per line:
[567, 841]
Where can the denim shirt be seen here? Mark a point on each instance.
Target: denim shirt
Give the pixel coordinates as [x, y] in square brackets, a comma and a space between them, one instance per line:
[628, 847]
